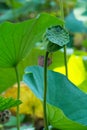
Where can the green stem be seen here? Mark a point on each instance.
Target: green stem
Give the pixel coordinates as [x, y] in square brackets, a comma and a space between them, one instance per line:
[65, 60]
[67, 8]
[18, 97]
[61, 8]
[65, 47]
[45, 91]
[33, 116]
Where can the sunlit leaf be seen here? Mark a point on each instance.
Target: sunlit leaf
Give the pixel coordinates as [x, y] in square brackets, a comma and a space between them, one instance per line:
[83, 86]
[17, 39]
[76, 70]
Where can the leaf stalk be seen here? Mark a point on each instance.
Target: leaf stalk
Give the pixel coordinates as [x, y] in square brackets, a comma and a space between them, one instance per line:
[45, 91]
[18, 96]
[65, 47]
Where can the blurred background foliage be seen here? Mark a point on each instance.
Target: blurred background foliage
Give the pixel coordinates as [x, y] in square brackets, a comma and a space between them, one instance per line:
[75, 13]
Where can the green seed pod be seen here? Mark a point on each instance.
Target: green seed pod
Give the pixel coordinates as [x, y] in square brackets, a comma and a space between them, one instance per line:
[57, 37]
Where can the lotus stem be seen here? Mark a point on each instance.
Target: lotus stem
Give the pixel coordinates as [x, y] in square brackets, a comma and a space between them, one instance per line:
[45, 91]
[65, 47]
[18, 96]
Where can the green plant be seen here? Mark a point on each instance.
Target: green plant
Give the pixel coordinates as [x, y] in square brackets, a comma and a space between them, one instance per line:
[7, 103]
[17, 40]
[64, 99]
[57, 88]
[56, 38]
[65, 55]
[45, 91]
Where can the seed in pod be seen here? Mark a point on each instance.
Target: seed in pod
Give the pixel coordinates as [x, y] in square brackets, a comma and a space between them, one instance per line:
[5, 116]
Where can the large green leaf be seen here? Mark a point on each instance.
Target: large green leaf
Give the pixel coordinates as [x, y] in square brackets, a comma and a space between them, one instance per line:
[8, 77]
[17, 39]
[58, 120]
[61, 93]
